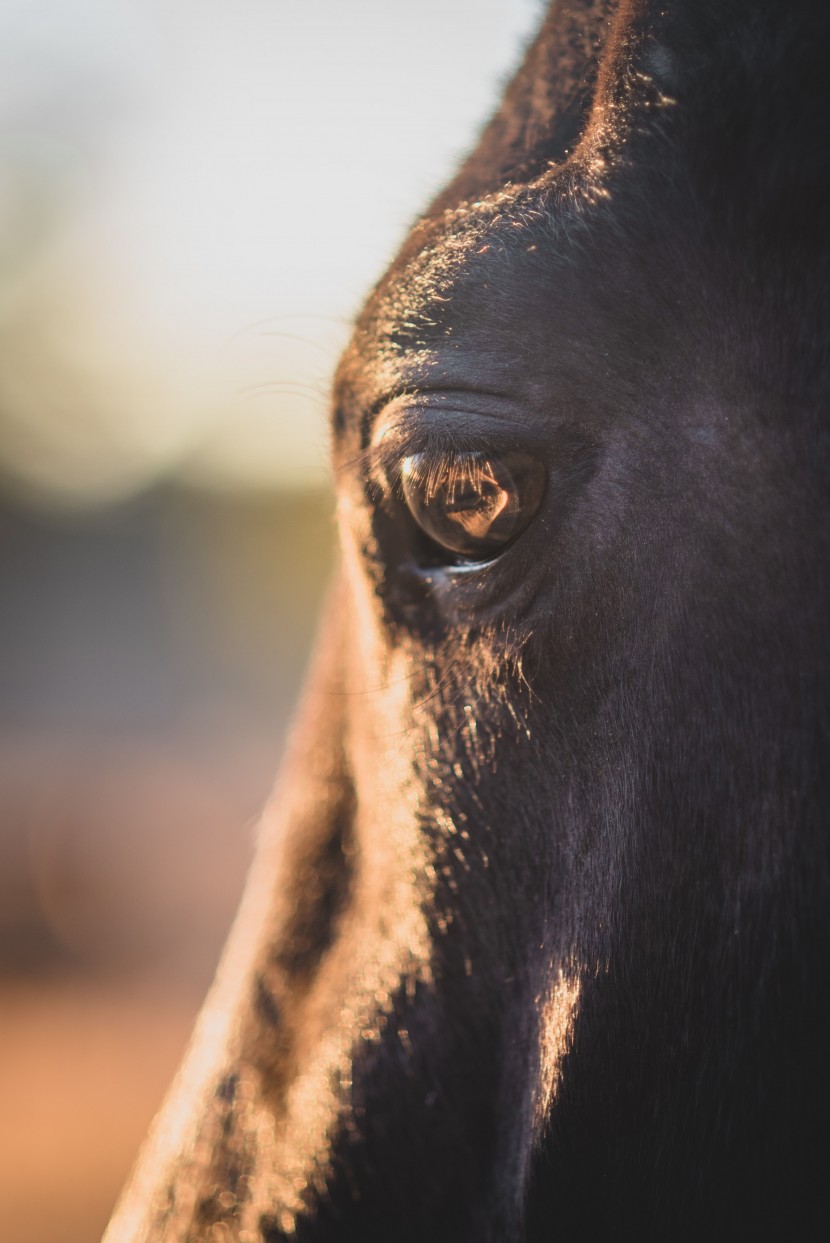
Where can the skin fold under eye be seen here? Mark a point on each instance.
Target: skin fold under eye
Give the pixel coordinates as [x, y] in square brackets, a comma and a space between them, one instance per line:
[472, 504]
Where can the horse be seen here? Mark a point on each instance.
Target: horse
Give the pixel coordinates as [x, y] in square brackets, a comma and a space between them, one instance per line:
[536, 941]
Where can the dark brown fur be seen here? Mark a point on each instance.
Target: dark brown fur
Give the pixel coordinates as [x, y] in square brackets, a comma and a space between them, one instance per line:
[538, 944]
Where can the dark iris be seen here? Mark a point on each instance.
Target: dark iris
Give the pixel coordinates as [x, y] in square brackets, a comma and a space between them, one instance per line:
[472, 504]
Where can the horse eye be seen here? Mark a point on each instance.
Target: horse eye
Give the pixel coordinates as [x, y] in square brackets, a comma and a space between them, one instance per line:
[471, 504]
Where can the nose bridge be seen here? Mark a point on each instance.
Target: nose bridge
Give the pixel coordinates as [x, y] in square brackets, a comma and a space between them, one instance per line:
[331, 937]
[210, 1158]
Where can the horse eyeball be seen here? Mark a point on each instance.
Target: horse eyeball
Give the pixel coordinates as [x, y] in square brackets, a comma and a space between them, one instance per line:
[472, 504]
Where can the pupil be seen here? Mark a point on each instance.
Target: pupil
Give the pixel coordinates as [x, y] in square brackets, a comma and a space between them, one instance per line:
[476, 506]
[468, 499]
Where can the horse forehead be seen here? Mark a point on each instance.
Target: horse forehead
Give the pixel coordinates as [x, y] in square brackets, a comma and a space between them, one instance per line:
[650, 218]
[489, 276]
[472, 244]
[555, 281]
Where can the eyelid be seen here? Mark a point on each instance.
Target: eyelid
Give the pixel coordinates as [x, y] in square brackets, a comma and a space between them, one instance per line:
[470, 413]
[413, 425]
[438, 426]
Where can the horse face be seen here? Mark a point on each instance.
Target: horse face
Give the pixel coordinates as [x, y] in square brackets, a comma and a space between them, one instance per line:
[604, 713]
[598, 723]
[538, 939]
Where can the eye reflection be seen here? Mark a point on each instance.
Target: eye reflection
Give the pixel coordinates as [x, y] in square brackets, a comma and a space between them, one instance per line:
[472, 504]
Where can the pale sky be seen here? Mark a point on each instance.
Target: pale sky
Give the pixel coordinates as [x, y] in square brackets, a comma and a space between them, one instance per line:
[194, 197]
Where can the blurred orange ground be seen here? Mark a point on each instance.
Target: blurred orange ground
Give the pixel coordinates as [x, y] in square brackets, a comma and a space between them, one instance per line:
[83, 1068]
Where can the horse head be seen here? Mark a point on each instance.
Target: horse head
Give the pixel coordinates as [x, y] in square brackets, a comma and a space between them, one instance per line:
[537, 934]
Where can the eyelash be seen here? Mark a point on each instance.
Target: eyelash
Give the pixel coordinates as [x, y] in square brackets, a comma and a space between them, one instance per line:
[380, 463]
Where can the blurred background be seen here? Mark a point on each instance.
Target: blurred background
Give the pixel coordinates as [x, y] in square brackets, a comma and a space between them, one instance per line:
[194, 196]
